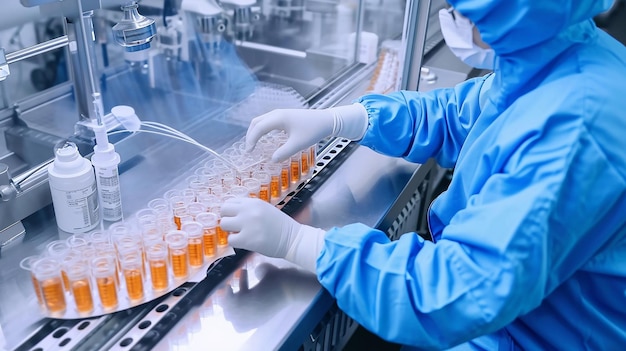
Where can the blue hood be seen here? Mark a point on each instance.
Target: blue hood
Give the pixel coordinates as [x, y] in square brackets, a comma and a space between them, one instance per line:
[527, 35]
[511, 25]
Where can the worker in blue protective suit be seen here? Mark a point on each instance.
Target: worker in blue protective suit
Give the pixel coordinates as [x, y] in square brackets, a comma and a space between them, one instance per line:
[529, 248]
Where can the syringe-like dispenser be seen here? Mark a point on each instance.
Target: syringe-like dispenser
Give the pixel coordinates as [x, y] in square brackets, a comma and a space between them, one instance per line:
[105, 161]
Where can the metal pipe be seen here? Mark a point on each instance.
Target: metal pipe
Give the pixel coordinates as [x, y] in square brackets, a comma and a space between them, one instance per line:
[37, 49]
[415, 25]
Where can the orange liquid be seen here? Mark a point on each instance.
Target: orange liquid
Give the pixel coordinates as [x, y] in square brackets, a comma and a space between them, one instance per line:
[107, 291]
[295, 172]
[210, 242]
[196, 256]
[312, 156]
[305, 163]
[82, 295]
[275, 187]
[180, 267]
[134, 284]
[158, 272]
[264, 194]
[284, 179]
[37, 288]
[143, 262]
[222, 236]
[53, 295]
[66, 281]
[177, 222]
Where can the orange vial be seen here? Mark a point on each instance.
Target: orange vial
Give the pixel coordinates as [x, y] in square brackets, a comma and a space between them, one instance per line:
[134, 284]
[48, 273]
[78, 274]
[157, 259]
[53, 295]
[275, 187]
[295, 168]
[222, 236]
[284, 176]
[37, 288]
[194, 232]
[313, 155]
[305, 162]
[108, 292]
[179, 213]
[177, 244]
[27, 264]
[133, 271]
[81, 289]
[104, 270]
[209, 233]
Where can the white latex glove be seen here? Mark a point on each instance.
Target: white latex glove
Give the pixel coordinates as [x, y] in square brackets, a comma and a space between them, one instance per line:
[256, 225]
[306, 127]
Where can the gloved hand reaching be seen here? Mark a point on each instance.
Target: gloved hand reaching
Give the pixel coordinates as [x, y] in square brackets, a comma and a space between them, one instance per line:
[306, 127]
[259, 226]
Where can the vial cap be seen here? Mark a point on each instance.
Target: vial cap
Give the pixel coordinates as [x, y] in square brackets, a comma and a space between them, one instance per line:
[67, 152]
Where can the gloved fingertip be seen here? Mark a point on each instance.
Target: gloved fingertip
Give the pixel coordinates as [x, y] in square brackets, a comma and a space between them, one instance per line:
[278, 156]
[233, 240]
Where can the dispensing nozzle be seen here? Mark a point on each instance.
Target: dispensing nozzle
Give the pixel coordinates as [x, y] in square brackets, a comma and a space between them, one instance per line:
[134, 32]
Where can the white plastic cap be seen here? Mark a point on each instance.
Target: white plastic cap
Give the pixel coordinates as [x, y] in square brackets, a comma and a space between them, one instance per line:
[127, 117]
[67, 159]
[68, 152]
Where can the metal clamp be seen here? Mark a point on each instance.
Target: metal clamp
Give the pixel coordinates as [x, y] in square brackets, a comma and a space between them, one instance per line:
[4, 66]
[8, 190]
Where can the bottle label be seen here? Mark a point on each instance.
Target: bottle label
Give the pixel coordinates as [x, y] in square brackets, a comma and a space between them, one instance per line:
[76, 210]
[110, 197]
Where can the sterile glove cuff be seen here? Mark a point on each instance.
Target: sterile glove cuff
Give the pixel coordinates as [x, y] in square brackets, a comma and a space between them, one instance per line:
[350, 121]
[306, 248]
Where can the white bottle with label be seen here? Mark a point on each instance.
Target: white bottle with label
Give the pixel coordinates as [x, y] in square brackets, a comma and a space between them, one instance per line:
[105, 161]
[74, 193]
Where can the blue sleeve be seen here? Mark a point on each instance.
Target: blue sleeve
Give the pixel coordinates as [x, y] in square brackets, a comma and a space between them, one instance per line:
[492, 263]
[418, 126]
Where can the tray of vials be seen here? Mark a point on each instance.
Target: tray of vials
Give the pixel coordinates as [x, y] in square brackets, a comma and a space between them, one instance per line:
[79, 278]
[171, 241]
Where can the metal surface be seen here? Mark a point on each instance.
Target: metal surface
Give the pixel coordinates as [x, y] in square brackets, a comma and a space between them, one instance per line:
[416, 25]
[270, 304]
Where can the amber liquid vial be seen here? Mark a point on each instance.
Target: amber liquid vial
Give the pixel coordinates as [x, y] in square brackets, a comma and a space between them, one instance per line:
[222, 236]
[210, 241]
[108, 292]
[81, 289]
[275, 187]
[66, 280]
[264, 194]
[295, 171]
[158, 274]
[313, 155]
[37, 288]
[53, 294]
[305, 163]
[196, 256]
[284, 179]
[180, 267]
[134, 283]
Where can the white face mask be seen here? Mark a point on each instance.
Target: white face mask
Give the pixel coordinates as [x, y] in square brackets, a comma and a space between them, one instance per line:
[458, 33]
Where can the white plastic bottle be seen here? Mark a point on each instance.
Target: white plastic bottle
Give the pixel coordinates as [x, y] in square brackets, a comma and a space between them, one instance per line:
[105, 162]
[74, 193]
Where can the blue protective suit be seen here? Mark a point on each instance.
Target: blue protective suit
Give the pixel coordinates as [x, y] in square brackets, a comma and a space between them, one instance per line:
[529, 246]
